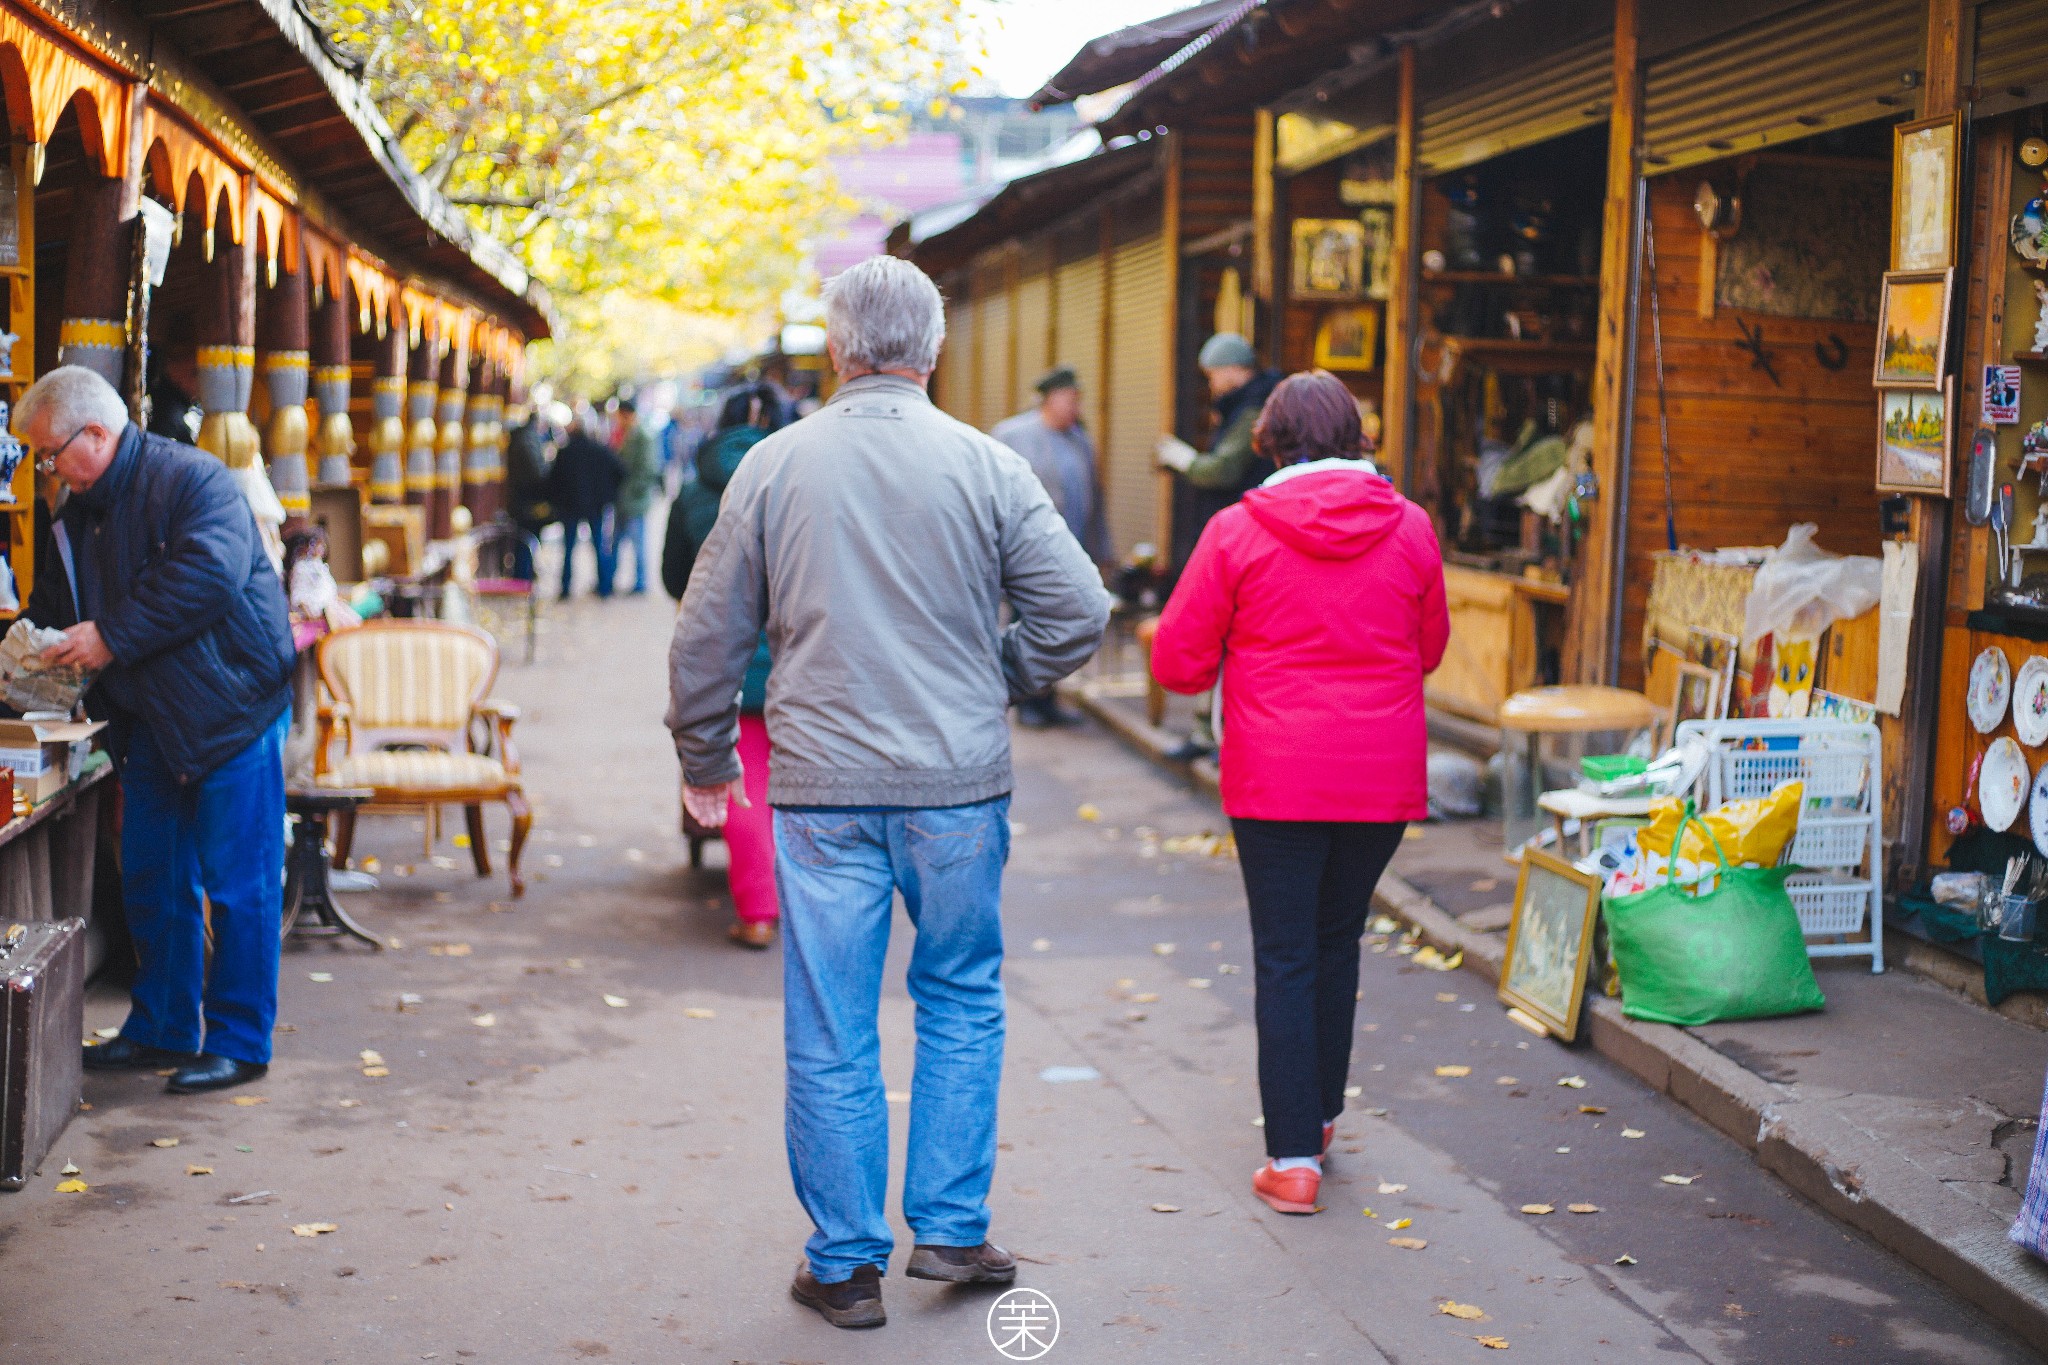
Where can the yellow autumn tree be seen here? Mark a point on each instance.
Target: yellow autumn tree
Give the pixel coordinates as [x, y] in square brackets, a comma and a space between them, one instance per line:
[667, 150]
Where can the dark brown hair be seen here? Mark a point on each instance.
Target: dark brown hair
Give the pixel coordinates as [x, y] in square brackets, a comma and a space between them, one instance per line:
[1311, 416]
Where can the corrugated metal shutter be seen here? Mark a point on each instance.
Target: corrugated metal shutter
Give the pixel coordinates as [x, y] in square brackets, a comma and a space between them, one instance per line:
[1139, 332]
[991, 346]
[1077, 330]
[2012, 54]
[1535, 103]
[1821, 66]
[953, 390]
[1034, 327]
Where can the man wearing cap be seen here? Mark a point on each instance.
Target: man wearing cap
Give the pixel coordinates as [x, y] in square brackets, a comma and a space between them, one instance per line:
[1052, 440]
[1238, 388]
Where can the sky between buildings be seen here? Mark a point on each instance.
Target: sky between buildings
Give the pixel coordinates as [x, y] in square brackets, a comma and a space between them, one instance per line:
[1028, 40]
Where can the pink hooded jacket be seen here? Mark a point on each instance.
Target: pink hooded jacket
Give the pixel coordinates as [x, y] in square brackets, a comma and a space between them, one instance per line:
[1320, 600]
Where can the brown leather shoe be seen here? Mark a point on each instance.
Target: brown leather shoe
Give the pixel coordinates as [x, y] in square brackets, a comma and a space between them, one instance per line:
[752, 933]
[854, 1302]
[985, 1264]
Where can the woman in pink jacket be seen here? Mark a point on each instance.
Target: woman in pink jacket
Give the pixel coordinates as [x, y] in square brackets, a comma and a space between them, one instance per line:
[1318, 601]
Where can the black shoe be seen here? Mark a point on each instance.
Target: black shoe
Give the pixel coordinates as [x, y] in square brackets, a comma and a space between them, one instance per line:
[985, 1264]
[1188, 750]
[125, 1054]
[210, 1072]
[855, 1302]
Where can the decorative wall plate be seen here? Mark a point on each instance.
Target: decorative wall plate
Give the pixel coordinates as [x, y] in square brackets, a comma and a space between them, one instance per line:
[1990, 689]
[2002, 786]
[2030, 701]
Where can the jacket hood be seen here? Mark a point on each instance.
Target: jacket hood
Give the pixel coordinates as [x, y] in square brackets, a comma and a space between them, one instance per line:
[718, 459]
[1331, 509]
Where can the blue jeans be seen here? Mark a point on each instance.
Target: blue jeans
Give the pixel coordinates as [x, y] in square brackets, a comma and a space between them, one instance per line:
[600, 545]
[631, 532]
[220, 838]
[837, 873]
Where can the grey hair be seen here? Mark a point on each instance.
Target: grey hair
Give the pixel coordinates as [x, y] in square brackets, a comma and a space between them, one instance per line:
[885, 314]
[75, 397]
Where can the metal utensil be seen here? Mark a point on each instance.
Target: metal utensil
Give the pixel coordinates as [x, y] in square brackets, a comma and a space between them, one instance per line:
[1981, 489]
[2001, 530]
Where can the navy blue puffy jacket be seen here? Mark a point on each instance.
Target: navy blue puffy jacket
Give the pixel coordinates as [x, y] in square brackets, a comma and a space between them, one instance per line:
[189, 604]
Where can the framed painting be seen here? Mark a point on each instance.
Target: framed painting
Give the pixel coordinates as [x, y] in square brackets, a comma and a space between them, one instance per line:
[1698, 695]
[1924, 159]
[1329, 258]
[1915, 440]
[1349, 338]
[1550, 942]
[1912, 329]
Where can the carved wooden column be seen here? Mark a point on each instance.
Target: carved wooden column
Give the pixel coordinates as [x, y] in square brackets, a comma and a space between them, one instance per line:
[94, 330]
[227, 351]
[421, 434]
[287, 359]
[448, 446]
[331, 337]
[387, 410]
[481, 468]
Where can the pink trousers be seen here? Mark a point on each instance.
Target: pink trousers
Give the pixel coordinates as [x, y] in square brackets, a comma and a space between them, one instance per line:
[750, 832]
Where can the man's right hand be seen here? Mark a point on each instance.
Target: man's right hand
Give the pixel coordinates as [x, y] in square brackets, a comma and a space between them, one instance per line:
[1175, 454]
[709, 806]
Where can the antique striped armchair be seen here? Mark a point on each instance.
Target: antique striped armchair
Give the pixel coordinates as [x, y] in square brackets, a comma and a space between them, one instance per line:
[408, 700]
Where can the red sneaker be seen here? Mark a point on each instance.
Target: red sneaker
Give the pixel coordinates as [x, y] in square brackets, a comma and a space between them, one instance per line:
[1288, 1191]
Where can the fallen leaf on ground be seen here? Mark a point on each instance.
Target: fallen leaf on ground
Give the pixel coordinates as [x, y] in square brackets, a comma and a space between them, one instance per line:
[1677, 1179]
[70, 1168]
[371, 1057]
[1412, 832]
[1400, 1223]
[1449, 964]
[1198, 983]
[319, 976]
[1446, 997]
[1124, 983]
[245, 1101]
[163, 1142]
[1563, 1150]
[349, 1104]
[1385, 1188]
[1583, 1208]
[199, 1170]
[1088, 811]
[1040, 945]
[1427, 956]
[484, 1020]
[1259, 1122]
[1505, 1080]
[1368, 1213]
[313, 1229]
[408, 1002]
[699, 1012]
[1454, 1071]
[1228, 969]
[1632, 1132]
[1145, 998]
[1164, 949]
[1166, 1208]
[1376, 1113]
[617, 1002]
[1538, 1209]
[72, 1187]
[448, 949]
[1493, 1343]
[376, 1073]
[106, 1033]
[1384, 924]
[1624, 1259]
[1469, 1312]
[1572, 1082]
[1592, 1109]
[1352, 1092]
[1407, 1243]
[460, 840]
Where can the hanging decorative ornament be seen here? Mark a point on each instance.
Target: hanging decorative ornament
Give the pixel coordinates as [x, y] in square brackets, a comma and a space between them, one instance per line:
[2034, 152]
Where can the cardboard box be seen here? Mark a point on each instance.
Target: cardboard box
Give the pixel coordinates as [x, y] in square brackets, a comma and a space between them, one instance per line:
[44, 755]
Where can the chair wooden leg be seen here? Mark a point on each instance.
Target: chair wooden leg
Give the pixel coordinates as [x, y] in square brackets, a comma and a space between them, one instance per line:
[522, 821]
[344, 834]
[479, 849]
[696, 853]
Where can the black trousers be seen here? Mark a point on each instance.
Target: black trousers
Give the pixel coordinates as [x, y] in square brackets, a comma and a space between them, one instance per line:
[1309, 884]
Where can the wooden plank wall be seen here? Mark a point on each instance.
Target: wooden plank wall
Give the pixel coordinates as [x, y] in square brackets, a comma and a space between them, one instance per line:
[1749, 458]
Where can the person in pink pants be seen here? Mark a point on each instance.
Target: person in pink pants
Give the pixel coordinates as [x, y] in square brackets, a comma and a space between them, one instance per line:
[750, 843]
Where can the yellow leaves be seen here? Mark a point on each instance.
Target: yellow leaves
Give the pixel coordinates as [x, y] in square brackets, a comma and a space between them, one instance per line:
[1088, 811]
[1678, 1179]
[1407, 1243]
[373, 1063]
[1454, 1071]
[163, 1142]
[1493, 1343]
[698, 1012]
[73, 1186]
[1538, 1210]
[247, 1101]
[1632, 1132]
[1572, 1082]
[617, 1002]
[314, 1229]
[199, 1170]
[1399, 1223]
[1166, 1208]
[1465, 1312]
[1582, 1208]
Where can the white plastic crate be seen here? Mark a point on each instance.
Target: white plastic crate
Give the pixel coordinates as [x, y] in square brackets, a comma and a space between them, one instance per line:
[1838, 835]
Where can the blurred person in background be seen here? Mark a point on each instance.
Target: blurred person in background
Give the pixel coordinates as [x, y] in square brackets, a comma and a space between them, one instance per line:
[639, 481]
[582, 486]
[1316, 605]
[527, 454]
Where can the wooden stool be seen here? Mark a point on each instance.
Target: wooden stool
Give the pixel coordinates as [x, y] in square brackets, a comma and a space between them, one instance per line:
[308, 895]
[1155, 695]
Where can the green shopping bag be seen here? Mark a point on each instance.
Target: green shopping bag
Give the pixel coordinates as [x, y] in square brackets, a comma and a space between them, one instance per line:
[1692, 957]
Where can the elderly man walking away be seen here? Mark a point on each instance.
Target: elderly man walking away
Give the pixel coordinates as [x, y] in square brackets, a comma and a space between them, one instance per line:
[1051, 438]
[184, 619]
[878, 540]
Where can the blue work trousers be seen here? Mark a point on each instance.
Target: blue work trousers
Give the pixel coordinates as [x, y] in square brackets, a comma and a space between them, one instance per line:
[216, 841]
[837, 873]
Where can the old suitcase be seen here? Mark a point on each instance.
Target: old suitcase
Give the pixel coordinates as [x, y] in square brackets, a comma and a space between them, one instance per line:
[42, 1018]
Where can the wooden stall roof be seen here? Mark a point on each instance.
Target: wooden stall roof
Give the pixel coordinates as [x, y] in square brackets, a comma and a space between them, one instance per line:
[1127, 53]
[1032, 201]
[264, 64]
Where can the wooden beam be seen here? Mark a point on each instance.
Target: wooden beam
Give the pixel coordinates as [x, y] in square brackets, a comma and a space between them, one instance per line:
[1591, 650]
[1169, 231]
[1397, 423]
[1012, 269]
[1262, 211]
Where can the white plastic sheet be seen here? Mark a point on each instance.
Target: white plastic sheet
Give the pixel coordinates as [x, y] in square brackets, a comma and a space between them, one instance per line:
[1801, 589]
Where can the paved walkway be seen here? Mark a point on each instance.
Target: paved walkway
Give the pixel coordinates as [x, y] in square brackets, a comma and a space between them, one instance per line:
[545, 1176]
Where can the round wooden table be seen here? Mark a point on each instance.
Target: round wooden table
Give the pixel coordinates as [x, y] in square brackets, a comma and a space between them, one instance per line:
[1540, 711]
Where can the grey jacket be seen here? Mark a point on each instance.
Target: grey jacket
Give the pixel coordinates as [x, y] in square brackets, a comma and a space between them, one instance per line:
[878, 540]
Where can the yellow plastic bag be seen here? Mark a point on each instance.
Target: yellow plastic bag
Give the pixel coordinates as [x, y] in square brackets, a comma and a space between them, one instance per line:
[1754, 831]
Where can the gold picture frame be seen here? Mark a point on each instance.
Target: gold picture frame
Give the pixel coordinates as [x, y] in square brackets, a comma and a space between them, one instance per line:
[1349, 338]
[1916, 454]
[1328, 260]
[1550, 942]
[1912, 329]
[1925, 157]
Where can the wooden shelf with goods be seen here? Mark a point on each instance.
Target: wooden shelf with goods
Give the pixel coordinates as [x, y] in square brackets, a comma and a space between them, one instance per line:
[1495, 277]
[19, 284]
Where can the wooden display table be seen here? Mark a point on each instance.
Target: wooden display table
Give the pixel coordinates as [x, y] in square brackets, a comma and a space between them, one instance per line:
[1499, 623]
[1578, 710]
[46, 856]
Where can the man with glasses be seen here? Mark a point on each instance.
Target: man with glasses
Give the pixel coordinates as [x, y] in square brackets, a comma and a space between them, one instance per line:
[182, 618]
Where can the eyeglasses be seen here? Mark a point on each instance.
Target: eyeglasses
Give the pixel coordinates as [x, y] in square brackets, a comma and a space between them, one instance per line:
[47, 464]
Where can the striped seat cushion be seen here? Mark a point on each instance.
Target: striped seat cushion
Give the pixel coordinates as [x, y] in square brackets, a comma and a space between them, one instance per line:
[408, 679]
[414, 770]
